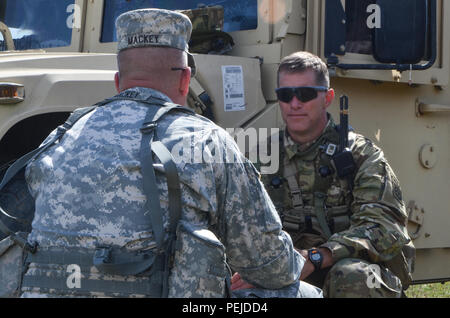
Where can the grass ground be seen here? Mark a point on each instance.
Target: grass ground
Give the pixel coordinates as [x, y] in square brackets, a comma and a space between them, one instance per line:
[437, 290]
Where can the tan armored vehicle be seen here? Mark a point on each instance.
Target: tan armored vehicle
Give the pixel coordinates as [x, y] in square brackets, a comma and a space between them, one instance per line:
[391, 58]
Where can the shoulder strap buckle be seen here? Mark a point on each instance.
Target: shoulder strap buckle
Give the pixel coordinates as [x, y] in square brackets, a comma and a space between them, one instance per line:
[148, 127]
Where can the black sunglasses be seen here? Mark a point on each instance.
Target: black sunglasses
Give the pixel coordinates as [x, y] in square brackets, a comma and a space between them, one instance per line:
[303, 93]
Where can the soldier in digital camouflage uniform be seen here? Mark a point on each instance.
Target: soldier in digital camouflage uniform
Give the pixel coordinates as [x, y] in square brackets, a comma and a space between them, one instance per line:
[89, 195]
[354, 228]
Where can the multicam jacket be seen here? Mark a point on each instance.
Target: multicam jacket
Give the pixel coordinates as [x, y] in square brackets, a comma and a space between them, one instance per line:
[366, 214]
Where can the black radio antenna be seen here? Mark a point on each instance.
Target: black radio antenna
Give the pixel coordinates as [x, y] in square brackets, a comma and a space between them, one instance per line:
[343, 140]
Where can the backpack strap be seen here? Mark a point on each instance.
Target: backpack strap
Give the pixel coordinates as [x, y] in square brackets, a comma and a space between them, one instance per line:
[149, 147]
[174, 189]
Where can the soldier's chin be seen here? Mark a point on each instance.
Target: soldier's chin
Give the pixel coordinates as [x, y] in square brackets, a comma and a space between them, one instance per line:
[297, 126]
[297, 120]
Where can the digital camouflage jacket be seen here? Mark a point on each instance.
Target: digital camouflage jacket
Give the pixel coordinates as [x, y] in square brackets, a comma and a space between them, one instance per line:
[88, 191]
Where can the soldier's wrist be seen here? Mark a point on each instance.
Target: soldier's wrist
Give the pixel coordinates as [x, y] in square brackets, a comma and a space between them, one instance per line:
[337, 250]
[327, 257]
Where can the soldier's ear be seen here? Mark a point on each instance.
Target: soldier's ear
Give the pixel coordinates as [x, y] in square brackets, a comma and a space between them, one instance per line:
[185, 80]
[116, 81]
[329, 97]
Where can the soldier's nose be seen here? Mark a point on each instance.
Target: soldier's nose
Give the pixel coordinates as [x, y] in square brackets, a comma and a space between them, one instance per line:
[295, 103]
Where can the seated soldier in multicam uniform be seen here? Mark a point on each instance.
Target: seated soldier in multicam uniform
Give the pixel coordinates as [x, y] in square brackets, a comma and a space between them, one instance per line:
[351, 230]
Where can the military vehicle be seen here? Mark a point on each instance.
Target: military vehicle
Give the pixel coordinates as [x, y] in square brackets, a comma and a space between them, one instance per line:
[391, 58]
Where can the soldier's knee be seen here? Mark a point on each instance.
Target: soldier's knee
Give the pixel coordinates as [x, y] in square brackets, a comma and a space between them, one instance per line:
[342, 277]
[352, 277]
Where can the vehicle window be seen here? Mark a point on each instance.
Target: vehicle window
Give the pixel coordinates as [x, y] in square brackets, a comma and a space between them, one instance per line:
[358, 35]
[238, 14]
[38, 24]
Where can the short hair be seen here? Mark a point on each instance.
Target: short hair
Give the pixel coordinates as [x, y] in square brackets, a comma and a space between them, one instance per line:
[302, 61]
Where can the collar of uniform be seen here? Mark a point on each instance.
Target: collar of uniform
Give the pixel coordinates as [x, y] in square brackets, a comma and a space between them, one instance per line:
[144, 93]
[292, 148]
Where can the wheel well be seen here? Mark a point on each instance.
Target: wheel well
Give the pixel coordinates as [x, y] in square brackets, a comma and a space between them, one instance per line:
[27, 135]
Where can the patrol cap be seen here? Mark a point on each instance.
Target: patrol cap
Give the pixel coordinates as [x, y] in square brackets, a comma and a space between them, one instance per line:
[154, 27]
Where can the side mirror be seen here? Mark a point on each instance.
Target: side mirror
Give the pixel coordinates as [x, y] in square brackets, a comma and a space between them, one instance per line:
[402, 36]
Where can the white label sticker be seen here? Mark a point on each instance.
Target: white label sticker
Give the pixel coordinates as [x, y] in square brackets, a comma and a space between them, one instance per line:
[233, 88]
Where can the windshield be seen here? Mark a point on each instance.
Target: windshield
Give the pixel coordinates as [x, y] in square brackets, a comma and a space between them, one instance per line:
[37, 24]
[238, 14]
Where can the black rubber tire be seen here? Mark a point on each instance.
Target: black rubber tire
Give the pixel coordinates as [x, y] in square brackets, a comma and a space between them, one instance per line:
[16, 200]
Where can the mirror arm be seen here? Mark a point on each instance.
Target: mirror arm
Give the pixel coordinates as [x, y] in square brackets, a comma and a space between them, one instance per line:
[7, 37]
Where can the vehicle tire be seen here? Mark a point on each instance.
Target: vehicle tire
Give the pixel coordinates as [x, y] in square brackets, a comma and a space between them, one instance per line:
[16, 201]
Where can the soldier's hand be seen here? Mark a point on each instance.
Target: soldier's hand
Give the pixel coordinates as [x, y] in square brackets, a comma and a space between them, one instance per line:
[238, 283]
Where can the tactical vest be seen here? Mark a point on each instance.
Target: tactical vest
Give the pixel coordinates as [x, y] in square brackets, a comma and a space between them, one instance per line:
[314, 220]
[153, 270]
